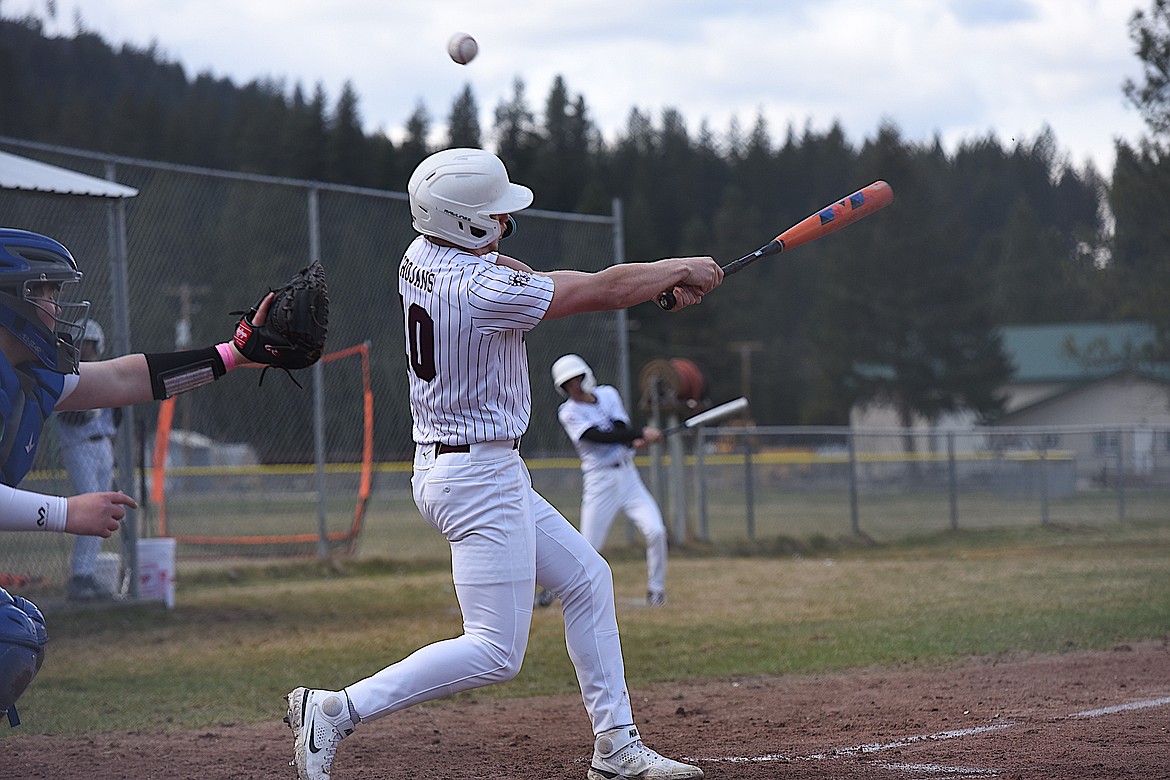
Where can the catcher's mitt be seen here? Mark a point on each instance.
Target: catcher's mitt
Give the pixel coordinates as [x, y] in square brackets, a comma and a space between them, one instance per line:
[293, 333]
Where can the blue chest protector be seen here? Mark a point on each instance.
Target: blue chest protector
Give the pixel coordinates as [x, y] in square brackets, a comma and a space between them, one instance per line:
[28, 396]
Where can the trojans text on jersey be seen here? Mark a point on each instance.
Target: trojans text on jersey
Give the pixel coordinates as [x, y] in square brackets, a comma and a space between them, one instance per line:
[421, 278]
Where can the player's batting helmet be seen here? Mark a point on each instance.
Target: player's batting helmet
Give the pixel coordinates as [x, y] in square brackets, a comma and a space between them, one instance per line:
[94, 333]
[27, 260]
[22, 649]
[569, 366]
[455, 195]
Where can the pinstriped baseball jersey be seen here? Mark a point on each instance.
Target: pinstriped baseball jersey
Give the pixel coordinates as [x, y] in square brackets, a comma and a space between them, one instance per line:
[465, 320]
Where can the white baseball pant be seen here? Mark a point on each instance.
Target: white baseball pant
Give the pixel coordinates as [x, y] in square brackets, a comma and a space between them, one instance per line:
[610, 489]
[90, 465]
[504, 538]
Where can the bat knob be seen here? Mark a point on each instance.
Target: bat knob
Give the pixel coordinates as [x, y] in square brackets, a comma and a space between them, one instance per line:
[666, 300]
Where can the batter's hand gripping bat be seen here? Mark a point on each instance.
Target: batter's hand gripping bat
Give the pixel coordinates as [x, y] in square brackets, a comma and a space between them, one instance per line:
[714, 414]
[830, 219]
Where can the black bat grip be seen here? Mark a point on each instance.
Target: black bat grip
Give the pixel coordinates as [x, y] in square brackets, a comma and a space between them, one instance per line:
[666, 300]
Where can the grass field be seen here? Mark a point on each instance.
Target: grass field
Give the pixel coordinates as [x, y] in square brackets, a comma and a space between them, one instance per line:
[243, 635]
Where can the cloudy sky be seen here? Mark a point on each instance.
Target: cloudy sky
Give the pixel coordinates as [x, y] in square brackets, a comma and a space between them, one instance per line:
[958, 69]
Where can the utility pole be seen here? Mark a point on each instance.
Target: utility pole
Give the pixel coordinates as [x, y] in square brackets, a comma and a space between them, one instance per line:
[745, 350]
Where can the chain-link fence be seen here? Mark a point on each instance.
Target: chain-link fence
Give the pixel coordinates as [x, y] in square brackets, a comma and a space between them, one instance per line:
[757, 485]
[274, 469]
[253, 456]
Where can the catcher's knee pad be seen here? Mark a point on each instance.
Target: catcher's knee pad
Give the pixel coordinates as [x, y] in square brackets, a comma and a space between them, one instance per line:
[22, 649]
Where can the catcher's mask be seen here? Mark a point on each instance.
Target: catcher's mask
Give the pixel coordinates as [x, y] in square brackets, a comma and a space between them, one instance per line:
[456, 195]
[569, 366]
[38, 275]
[22, 649]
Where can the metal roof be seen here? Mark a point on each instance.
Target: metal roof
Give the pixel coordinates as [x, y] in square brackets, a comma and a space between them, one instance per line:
[21, 173]
[1076, 351]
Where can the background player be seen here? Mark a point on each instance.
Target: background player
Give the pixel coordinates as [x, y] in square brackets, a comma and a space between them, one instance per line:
[597, 423]
[466, 309]
[87, 453]
[40, 373]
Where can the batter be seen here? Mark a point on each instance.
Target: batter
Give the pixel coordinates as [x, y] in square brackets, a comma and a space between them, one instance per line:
[596, 421]
[466, 309]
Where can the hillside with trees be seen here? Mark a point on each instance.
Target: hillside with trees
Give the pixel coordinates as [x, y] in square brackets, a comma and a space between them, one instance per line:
[909, 308]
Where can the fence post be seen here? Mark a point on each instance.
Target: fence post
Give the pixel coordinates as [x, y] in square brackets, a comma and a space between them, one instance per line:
[318, 391]
[749, 486]
[953, 480]
[853, 518]
[1044, 484]
[622, 316]
[678, 488]
[120, 317]
[1121, 476]
[704, 534]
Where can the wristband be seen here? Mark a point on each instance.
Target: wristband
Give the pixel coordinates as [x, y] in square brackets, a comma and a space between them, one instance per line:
[172, 373]
[226, 355]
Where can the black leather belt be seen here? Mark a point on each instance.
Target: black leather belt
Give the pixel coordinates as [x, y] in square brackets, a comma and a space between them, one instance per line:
[445, 449]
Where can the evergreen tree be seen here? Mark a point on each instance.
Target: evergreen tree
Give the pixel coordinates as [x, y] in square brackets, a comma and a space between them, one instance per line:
[1141, 183]
[903, 320]
[1141, 201]
[415, 147]
[463, 124]
[515, 133]
[1150, 30]
[346, 149]
[561, 164]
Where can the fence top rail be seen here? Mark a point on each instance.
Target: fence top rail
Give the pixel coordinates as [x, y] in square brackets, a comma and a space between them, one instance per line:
[845, 430]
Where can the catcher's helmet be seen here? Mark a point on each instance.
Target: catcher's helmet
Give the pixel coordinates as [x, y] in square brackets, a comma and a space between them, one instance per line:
[27, 259]
[569, 366]
[454, 195]
[22, 649]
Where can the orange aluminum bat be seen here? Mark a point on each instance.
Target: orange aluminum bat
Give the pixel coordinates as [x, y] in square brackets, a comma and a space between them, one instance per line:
[830, 219]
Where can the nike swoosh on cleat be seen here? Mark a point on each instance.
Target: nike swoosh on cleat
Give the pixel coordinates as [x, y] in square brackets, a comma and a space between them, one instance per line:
[313, 739]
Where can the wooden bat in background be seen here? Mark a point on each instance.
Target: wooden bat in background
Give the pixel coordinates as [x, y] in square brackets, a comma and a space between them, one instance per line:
[714, 414]
[830, 219]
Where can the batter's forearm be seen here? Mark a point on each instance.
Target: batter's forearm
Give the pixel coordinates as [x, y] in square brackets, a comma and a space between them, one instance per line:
[616, 287]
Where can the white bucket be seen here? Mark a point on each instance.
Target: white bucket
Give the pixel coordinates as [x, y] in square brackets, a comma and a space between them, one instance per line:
[106, 571]
[156, 570]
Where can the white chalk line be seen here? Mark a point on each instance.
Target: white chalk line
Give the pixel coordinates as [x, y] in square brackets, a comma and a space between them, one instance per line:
[952, 772]
[877, 747]
[873, 747]
[1136, 705]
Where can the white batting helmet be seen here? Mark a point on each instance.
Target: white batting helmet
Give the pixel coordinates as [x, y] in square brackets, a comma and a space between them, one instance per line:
[94, 333]
[569, 366]
[454, 193]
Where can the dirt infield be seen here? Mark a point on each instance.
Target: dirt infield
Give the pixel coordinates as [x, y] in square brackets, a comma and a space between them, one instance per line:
[1078, 715]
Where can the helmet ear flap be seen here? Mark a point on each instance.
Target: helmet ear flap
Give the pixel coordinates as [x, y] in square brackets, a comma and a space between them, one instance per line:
[509, 228]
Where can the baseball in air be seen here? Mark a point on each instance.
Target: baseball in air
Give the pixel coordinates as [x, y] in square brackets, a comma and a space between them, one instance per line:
[462, 48]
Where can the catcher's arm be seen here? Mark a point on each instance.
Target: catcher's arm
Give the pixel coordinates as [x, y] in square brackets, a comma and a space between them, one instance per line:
[133, 379]
[285, 329]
